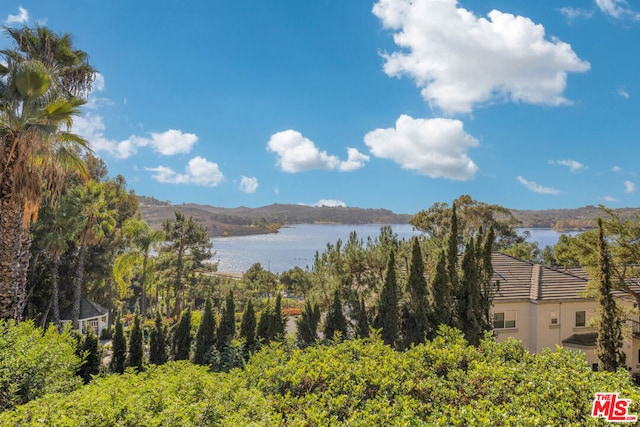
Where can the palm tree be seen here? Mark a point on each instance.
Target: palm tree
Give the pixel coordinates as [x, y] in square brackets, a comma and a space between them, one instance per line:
[142, 240]
[95, 220]
[40, 80]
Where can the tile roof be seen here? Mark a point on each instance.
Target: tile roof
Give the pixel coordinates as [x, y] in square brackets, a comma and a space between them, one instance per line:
[88, 309]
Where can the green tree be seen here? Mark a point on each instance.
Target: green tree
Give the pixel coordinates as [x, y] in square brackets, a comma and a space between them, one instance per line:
[118, 348]
[335, 320]
[610, 336]
[416, 308]
[91, 351]
[362, 321]
[227, 327]
[248, 327]
[388, 318]
[441, 296]
[266, 326]
[297, 280]
[206, 336]
[38, 105]
[469, 296]
[307, 324]
[136, 353]
[157, 342]
[181, 347]
[279, 322]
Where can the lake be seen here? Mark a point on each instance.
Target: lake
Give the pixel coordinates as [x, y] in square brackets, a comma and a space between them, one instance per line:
[296, 245]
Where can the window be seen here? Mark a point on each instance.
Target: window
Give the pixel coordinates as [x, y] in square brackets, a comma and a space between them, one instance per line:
[93, 324]
[554, 318]
[506, 320]
[581, 317]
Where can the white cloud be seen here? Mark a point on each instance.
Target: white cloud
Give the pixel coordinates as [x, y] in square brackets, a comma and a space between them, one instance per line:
[460, 60]
[629, 187]
[573, 165]
[21, 18]
[298, 154]
[616, 169]
[199, 171]
[537, 188]
[610, 199]
[433, 147]
[248, 185]
[572, 13]
[618, 9]
[623, 93]
[330, 203]
[170, 142]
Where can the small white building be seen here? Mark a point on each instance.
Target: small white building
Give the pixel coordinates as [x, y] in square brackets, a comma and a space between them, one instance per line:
[92, 315]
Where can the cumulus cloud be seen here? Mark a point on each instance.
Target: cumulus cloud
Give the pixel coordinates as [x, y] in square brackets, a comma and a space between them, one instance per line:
[199, 171]
[298, 154]
[629, 187]
[616, 168]
[610, 199]
[433, 147]
[618, 9]
[460, 60]
[248, 185]
[537, 188]
[21, 18]
[330, 203]
[91, 127]
[573, 165]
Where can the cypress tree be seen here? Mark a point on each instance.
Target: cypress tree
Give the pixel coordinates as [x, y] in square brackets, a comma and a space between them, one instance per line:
[452, 250]
[227, 328]
[610, 339]
[134, 358]
[388, 317]
[119, 348]
[182, 337]
[488, 288]
[362, 322]
[307, 324]
[157, 343]
[266, 327]
[441, 297]
[279, 322]
[469, 298]
[416, 309]
[205, 337]
[92, 353]
[248, 327]
[335, 320]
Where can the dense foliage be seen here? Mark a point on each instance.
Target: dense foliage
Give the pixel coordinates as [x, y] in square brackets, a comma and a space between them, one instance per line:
[443, 382]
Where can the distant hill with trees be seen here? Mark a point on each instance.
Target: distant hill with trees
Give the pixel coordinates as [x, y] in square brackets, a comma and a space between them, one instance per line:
[567, 219]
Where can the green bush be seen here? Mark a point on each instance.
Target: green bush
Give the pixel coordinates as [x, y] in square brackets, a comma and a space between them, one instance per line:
[34, 362]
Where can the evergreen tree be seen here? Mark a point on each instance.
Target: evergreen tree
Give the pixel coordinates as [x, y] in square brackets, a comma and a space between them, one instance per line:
[266, 327]
[388, 317]
[119, 348]
[227, 328]
[91, 353]
[157, 343]
[134, 358]
[452, 250]
[335, 320]
[279, 322]
[248, 327]
[205, 337]
[362, 322]
[416, 309]
[488, 287]
[441, 298]
[610, 339]
[469, 297]
[182, 337]
[307, 324]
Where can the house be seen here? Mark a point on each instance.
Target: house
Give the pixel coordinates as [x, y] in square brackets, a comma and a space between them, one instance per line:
[92, 315]
[544, 307]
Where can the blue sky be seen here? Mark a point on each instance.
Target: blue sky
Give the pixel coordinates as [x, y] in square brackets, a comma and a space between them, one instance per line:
[392, 104]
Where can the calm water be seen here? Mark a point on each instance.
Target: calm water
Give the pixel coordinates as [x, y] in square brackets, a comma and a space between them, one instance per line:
[296, 245]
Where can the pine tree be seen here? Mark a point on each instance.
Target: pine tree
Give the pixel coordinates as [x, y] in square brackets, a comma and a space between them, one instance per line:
[362, 322]
[441, 298]
[248, 327]
[157, 343]
[227, 328]
[610, 339]
[92, 359]
[469, 297]
[416, 309]
[388, 317]
[307, 325]
[182, 337]
[205, 337]
[335, 320]
[119, 349]
[134, 358]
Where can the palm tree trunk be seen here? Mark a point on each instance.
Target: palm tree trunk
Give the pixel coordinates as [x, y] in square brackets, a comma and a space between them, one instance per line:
[55, 291]
[143, 279]
[77, 288]
[10, 224]
[22, 272]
